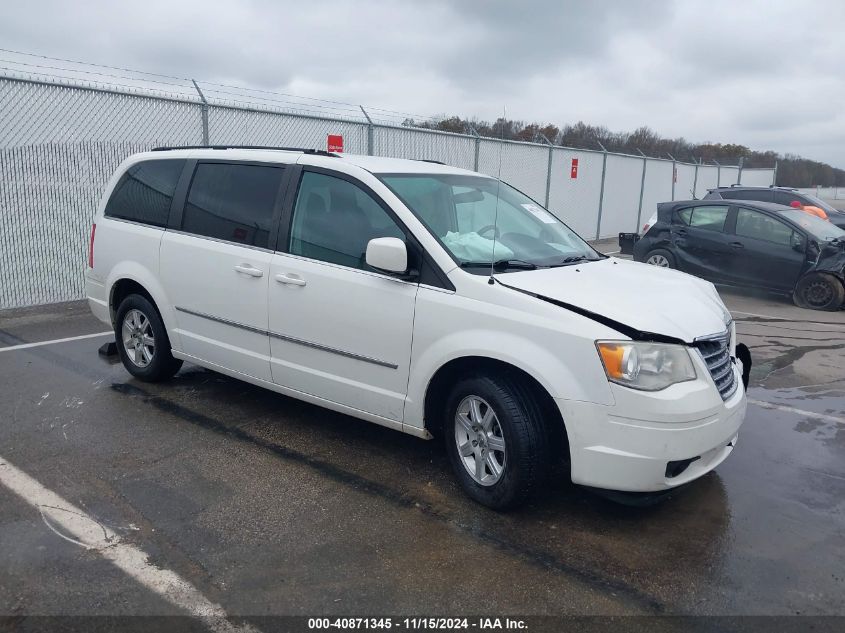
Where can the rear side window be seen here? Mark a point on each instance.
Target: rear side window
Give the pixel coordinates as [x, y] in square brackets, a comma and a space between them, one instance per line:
[232, 202]
[144, 193]
[710, 218]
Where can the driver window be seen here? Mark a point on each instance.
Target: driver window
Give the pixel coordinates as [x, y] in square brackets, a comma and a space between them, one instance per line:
[760, 226]
[334, 220]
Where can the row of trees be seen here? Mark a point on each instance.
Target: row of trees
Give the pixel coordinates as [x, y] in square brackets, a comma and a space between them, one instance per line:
[793, 170]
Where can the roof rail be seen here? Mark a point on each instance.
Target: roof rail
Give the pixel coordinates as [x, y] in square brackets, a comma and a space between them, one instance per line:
[304, 150]
[429, 160]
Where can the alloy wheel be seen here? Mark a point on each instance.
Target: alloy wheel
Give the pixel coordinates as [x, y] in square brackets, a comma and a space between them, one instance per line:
[480, 441]
[658, 260]
[138, 339]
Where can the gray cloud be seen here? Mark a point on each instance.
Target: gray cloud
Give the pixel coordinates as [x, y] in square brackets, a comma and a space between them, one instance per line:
[766, 73]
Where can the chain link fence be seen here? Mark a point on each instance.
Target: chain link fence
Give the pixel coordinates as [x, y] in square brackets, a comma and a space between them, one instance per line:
[60, 142]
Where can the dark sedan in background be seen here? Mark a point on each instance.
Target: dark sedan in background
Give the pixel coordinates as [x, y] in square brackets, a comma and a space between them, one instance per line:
[748, 243]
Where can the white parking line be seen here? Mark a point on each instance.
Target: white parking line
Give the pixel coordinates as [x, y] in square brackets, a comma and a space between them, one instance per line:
[79, 528]
[810, 414]
[12, 348]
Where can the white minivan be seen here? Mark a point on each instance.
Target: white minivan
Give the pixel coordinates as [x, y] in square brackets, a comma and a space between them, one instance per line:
[425, 298]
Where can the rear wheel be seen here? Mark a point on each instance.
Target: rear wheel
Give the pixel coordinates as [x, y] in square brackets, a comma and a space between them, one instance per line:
[661, 258]
[142, 341]
[819, 291]
[495, 439]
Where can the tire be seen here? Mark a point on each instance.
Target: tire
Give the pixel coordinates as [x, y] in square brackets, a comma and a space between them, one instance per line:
[516, 424]
[819, 291]
[136, 315]
[660, 255]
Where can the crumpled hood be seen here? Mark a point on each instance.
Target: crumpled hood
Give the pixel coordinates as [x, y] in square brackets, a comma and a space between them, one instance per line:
[643, 297]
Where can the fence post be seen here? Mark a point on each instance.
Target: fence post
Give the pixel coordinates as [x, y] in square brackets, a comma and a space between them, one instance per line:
[775, 175]
[674, 174]
[601, 193]
[642, 190]
[369, 131]
[718, 173]
[477, 145]
[204, 113]
[548, 169]
[695, 178]
[739, 173]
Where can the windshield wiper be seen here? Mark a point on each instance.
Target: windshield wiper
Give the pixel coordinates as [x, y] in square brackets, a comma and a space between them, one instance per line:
[571, 260]
[502, 264]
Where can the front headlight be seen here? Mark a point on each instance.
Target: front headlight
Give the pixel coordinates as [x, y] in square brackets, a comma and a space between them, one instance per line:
[646, 366]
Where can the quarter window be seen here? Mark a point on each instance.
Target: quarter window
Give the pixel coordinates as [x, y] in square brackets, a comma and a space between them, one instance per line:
[763, 227]
[334, 219]
[144, 193]
[232, 202]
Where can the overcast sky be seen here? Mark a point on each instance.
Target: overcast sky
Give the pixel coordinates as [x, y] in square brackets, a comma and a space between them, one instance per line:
[769, 74]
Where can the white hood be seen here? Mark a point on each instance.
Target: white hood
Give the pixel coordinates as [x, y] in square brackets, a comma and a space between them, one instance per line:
[644, 297]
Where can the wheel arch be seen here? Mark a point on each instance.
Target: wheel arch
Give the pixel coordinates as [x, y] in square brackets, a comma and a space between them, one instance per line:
[446, 375]
[133, 278]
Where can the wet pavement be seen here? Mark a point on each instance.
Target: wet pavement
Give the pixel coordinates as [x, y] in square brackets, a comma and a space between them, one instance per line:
[271, 506]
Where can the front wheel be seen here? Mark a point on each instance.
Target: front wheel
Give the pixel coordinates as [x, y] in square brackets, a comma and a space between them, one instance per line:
[819, 291]
[495, 440]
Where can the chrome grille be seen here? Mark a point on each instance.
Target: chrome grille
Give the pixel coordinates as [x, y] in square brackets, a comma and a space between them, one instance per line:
[717, 356]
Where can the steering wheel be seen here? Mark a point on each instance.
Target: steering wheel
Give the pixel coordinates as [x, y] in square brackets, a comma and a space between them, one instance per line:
[490, 227]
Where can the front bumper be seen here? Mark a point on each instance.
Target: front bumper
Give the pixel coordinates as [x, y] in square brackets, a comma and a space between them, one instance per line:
[651, 441]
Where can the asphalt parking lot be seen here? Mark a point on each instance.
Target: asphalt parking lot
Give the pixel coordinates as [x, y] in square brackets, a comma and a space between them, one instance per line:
[267, 505]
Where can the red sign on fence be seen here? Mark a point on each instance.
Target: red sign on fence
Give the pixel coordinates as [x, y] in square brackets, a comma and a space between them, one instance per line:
[573, 171]
[334, 143]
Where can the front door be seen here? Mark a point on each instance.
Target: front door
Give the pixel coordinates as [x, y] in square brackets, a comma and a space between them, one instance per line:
[215, 268]
[340, 330]
[770, 253]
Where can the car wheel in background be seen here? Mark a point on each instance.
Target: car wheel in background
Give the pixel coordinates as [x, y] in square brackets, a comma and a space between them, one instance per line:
[819, 291]
[661, 258]
[496, 440]
[142, 341]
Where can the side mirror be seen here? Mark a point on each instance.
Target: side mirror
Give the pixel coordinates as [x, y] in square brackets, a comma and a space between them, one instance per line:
[387, 254]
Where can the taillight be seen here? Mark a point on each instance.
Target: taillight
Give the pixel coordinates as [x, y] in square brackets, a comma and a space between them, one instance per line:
[645, 229]
[91, 247]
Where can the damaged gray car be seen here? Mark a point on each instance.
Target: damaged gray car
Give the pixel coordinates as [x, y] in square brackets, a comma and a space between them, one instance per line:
[753, 244]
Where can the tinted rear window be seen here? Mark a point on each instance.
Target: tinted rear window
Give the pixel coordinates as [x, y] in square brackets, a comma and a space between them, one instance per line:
[232, 202]
[144, 193]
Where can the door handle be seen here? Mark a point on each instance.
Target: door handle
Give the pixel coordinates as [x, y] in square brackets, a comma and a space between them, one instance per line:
[737, 245]
[290, 280]
[248, 269]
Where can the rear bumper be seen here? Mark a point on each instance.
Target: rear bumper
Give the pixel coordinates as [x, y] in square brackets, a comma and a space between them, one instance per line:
[648, 442]
[95, 292]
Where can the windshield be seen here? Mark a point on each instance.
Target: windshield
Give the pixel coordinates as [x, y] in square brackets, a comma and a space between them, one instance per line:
[461, 211]
[820, 229]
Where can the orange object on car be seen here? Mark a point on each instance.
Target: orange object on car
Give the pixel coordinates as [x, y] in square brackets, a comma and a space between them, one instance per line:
[816, 211]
